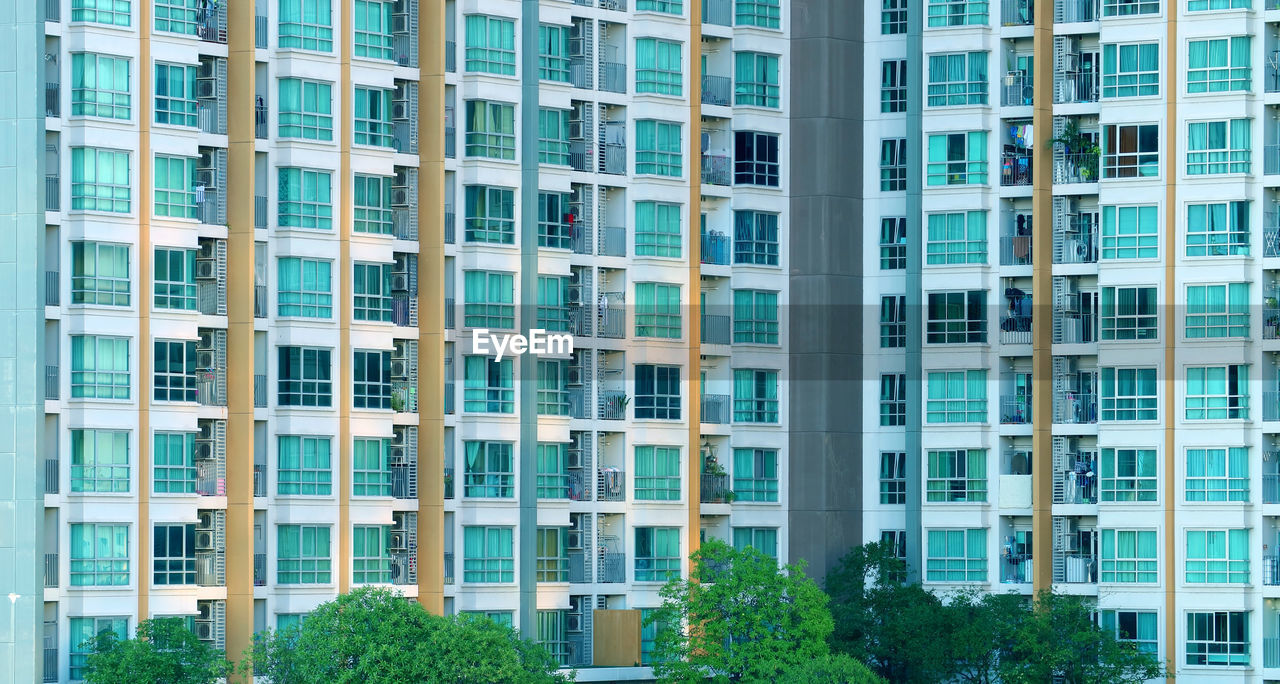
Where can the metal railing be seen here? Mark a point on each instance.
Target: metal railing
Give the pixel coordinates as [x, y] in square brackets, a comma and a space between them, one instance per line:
[207, 481]
[1075, 86]
[1271, 234]
[1079, 568]
[1016, 90]
[613, 567]
[1271, 159]
[613, 241]
[578, 402]
[1015, 250]
[715, 487]
[616, 5]
[613, 77]
[715, 248]
[211, 569]
[448, 568]
[51, 199]
[52, 12]
[403, 224]
[611, 322]
[450, 235]
[717, 169]
[50, 382]
[259, 390]
[51, 289]
[259, 301]
[1017, 13]
[715, 409]
[579, 74]
[1079, 245]
[1075, 408]
[448, 482]
[450, 141]
[1271, 571]
[1015, 571]
[577, 566]
[613, 159]
[52, 476]
[1015, 410]
[1271, 405]
[50, 570]
[448, 398]
[1270, 488]
[404, 397]
[581, 237]
[1015, 330]
[259, 479]
[260, 121]
[450, 56]
[259, 31]
[613, 405]
[1271, 652]
[404, 569]
[259, 211]
[207, 119]
[715, 329]
[50, 663]
[259, 569]
[718, 12]
[1072, 11]
[1272, 84]
[1015, 168]
[1076, 487]
[449, 311]
[211, 23]
[716, 90]
[404, 46]
[52, 99]
[1076, 167]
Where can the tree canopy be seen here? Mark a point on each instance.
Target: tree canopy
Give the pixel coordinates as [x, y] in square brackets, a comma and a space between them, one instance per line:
[163, 651]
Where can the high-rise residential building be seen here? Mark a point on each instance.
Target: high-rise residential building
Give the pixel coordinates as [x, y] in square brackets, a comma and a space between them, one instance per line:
[1072, 365]
[248, 251]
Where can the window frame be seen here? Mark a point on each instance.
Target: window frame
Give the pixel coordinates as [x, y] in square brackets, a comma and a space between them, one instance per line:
[663, 480]
[1206, 321]
[102, 101]
[968, 90]
[303, 391]
[1141, 240]
[492, 393]
[758, 408]
[118, 285]
[755, 159]
[496, 54]
[962, 409]
[172, 378]
[167, 290]
[1128, 474]
[956, 317]
[1231, 404]
[1132, 568]
[1136, 82]
[306, 114]
[956, 476]
[1229, 481]
[1135, 319]
[756, 485]
[943, 169]
[1217, 569]
[490, 131]
[893, 478]
[164, 564]
[313, 457]
[946, 567]
[1224, 638]
[296, 303]
[1231, 77]
[315, 568]
[1128, 408]
[100, 461]
[657, 392]
[1141, 161]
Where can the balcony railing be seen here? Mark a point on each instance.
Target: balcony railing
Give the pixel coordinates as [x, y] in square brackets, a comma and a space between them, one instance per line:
[450, 142]
[448, 398]
[717, 169]
[50, 570]
[716, 90]
[404, 397]
[1079, 568]
[260, 120]
[1271, 652]
[1271, 571]
[1271, 234]
[1015, 410]
[207, 481]
[1076, 487]
[52, 12]
[578, 402]
[1017, 13]
[613, 405]
[448, 482]
[1079, 245]
[613, 159]
[450, 56]
[579, 74]
[578, 566]
[50, 382]
[1015, 168]
[1015, 571]
[259, 301]
[211, 569]
[259, 390]
[51, 476]
[1075, 408]
[616, 5]
[207, 118]
[1075, 86]
[448, 568]
[1272, 84]
[613, 77]
[259, 211]
[715, 248]
[1271, 159]
[450, 236]
[1015, 330]
[1075, 167]
[613, 567]
[211, 22]
[259, 569]
[718, 12]
[715, 329]
[715, 409]
[1017, 89]
[449, 312]
[613, 241]
[1072, 11]
[52, 99]
[404, 569]
[260, 32]
[1015, 250]
[259, 479]
[50, 661]
[715, 488]
[1270, 488]
[1271, 405]
[51, 200]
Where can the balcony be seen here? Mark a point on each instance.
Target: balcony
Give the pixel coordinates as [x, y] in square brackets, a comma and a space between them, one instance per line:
[208, 118]
[611, 485]
[51, 660]
[1073, 87]
[1272, 84]
[716, 90]
[1075, 408]
[1271, 652]
[715, 248]
[403, 480]
[612, 318]
[613, 77]
[715, 409]
[259, 390]
[448, 568]
[578, 403]
[1015, 330]
[1015, 410]
[207, 481]
[450, 142]
[1073, 11]
[1271, 234]
[578, 567]
[259, 479]
[1271, 571]
[50, 570]
[613, 241]
[1271, 405]
[1079, 244]
[450, 56]
[52, 99]
[717, 169]
[51, 202]
[448, 398]
[715, 329]
[1017, 90]
[260, 120]
[616, 5]
[51, 475]
[402, 314]
[1270, 488]
[259, 301]
[1078, 568]
[52, 12]
[1017, 13]
[1015, 570]
[450, 236]
[259, 569]
[613, 567]
[718, 12]
[259, 211]
[211, 208]
[211, 570]
[449, 313]
[404, 397]
[1015, 250]
[1075, 167]
[1015, 167]
[1078, 485]
[404, 568]
[613, 405]
[50, 382]
[715, 488]
[260, 32]
[613, 159]
[211, 22]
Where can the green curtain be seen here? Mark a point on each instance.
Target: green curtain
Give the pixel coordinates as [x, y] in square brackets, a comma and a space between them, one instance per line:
[646, 53]
[290, 456]
[1145, 546]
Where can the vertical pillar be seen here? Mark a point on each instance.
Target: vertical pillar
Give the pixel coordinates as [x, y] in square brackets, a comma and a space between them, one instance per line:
[694, 414]
[143, 298]
[528, 288]
[1042, 302]
[346, 355]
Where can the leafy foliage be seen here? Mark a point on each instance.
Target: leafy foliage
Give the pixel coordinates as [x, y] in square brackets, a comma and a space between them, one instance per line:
[164, 651]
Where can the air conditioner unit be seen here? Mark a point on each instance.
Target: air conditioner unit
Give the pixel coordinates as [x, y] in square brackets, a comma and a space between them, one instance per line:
[204, 540]
[206, 269]
[577, 129]
[574, 458]
[206, 426]
[205, 521]
[575, 375]
[204, 360]
[399, 369]
[399, 437]
[204, 630]
[206, 176]
[400, 22]
[206, 88]
[577, 47]
[400, 110]
[399, 196]
[399, 541]
[396, 455]
[399, 282]
[575, 539]
[573, 622]
[204, 450]
[208, 249]
[573, 294]
[206, 340]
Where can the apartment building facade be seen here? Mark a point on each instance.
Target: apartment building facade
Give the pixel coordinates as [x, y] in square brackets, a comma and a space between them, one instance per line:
[1073, 233]
[250, 279]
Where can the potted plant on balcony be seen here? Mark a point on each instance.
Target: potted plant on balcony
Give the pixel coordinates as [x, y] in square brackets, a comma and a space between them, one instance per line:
[1080, 150]
[1271, 322]
[617, 404]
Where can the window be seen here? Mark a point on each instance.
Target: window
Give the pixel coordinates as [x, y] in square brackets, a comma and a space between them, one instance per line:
[755, 396]
[1130, 151]
[489, 387]
[99, 86]
[657, 310]
[893, 400]
[372, 205]
[306, 24]
[173, 459]
[111, 12]
[893, 86]
[555, 220]
[177, 16]
[755, 159]
[658, 229]
[304, 466]
[373, 29]
[957, 12]
[657, 554]
[755, 239]
[1129, 313]
[175, 102]
[491, 130]
[371, 380]
[306, 109]
[1215, 311]
[1210, 5]
[759, 13]
[305, 378]
[755, 475]
[893, 321]
[657, 392]
[1218, 474]
[373, 117]
[553, 137]
[893, 17]
[957, 556]
[957, 159]
[957, 79]
[303, 288]
[658, 149]
[491, 45]
[1218, 393]
[288, 621]
[893, 477]
[1218, 229]
[1217, 147]
[1128, 394]
[1219, 65]
[174, 554]
[372, 285]
[99, 555]
[553, 394]
[490, 215]
[553, 479]
[1218, 556]
[85, 628]
[99, 461]
[372, 474]
[501, 617]
[658, 68]
[664, 6]
[893, 164]
[1129, 556]
[657, 473]
[99, 274]
[489, 300]
[371, 557]
[956, 317]
[893, 243]
[1218, 638]
[1130, 232]
[1130, 69]
[756, 80]
[553, 558]
[175, 278]
[1128, 8]
[957, 238]
[1138, 627]
[175, 371]
[755, 317]
[100, 180]
[1128, 475]
[553, 293]
[489, 470]
[487, 555]
[99, 367]
[649, 630]
[957, 476]
[302, 554]
[553, 53]
[175, 185]
[957, 397]
[762, 539]
[304, 199]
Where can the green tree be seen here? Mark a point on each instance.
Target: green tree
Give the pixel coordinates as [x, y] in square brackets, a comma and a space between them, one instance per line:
[834, 668]
[164, 651]
[747, 619]
[373, 635]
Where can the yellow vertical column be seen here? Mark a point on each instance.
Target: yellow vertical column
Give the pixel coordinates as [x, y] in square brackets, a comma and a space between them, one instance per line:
[431, 39]
[143, 294]
[695, 275]
[1170, 338]
[346, 357]
[1042, 289]
[240, 348]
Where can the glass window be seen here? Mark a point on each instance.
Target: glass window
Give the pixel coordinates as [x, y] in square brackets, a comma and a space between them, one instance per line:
[372, 117]
[553, 393]
[1128, 475]
[758, 13]
[658, 150]
[956, 317]
[893, 86]
[553, 313]
[100, 180]
[1218, 229]
[658, 67]
[1218, 474]
[85, 628]
[1218, 65]
[370, 554]
[755, 396]
[489, 470]
[957, 79]
[553, 53]
[957, 475]
[173, 557]
[893, 17]
[957, 238]
[893, 477]
[373, 29]
[553, 136]
[175, 101]
[1130, 232]
[489, 300]
[1218, 556]
[490, 215]
[755, 159]
[1215, 311]
[174, 182]
[756, 80]
[657, 473]
[893, 400]
[762, 539]
[957, 159]
[372, 287]
[755, 475]
[1130, 69]
[372, 474]
[1128, 8]
[175, 278]
[178, 16]
[303, 288]
[372, 204]
[304, 199]
[657, 310]
[306, 24]
[957, 397]
[305, 378]
[491, 45]
[99, 555]
[173, 460]
[657, 392]
[110, 12]
[893, 164]
[306, 109]
[893, 322]
[175, 371]
[1218, 638]
[99, 461]
[553, 478]
[1216, 147]
[1137, 627]
[489, 387]
[1129, 313]
[1131, 151]
[658, 554]
[1129, 394]
[552, 565]
[99, 367]
[1129, 556]
[303, 554]
[956, 556]
[1218, 393]
[658, 229]
[99, 86]
[305, 466]
[99, 274]
[755, 238]
[664, 6]
[555, 220]
[1210, 5]
[893, 243]
[491, 130]
[755, 317]
[957, 13]
[371, 380]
